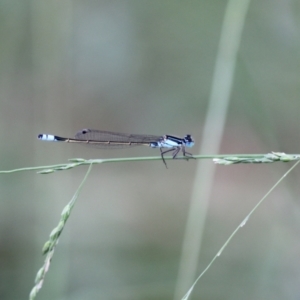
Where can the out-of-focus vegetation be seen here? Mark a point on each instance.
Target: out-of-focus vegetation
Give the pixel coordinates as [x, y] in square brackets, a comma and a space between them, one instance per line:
[145, 67]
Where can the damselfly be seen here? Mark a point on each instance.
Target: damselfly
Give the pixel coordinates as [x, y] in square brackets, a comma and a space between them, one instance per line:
[108, 139]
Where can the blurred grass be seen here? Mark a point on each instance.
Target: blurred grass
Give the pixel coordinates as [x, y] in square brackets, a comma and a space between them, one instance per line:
[219, 101]
[145, 67]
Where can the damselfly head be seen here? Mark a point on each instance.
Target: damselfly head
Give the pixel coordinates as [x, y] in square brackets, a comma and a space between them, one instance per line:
[189, 141]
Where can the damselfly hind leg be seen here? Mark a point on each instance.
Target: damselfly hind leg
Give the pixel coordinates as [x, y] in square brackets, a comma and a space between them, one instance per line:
[176, 150]
[164, 152]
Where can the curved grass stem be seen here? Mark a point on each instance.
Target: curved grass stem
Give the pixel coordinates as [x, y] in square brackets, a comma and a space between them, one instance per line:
[49, 246]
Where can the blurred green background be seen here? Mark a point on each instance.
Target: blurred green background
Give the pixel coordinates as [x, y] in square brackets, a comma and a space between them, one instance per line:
[142, 66]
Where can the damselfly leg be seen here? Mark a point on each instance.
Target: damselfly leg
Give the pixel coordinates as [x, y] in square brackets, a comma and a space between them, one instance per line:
[176, 150]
